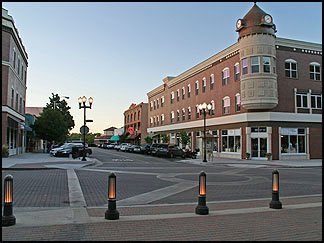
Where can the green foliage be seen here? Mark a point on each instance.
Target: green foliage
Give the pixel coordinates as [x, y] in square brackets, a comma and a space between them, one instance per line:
[51, 126]
[184, 138]
[55, 122]
[148, 140]
[90, 137]
[123, 137]
[165, 138]
[5, 150]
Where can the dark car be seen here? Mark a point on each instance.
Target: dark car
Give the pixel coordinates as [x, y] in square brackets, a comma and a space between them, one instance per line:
[67, 151]
[169, 150]
[145, 148]
[152, 150]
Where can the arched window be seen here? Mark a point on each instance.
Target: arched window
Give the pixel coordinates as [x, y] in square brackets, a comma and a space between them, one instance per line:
[162, 119]
[189, 113]
[237, 71]
[189, 90]
[291, 68]
[172, 116]
[183, 92]
[226, 105]
[197, 87]
[315, 71]
[178, 115]
[213, 107]
[211, 80]
[172, 97]
[197, 111]
[225, 76]
[135, 116]
[203, 85]
[237, 102]
[183, 114]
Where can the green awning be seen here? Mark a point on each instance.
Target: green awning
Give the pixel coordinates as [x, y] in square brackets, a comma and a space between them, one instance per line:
[114, 138]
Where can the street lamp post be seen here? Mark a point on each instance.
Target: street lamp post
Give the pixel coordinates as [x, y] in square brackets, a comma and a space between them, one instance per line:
[82, 100]
[203, 107]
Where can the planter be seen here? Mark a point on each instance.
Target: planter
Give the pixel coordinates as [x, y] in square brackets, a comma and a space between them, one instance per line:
[247, 155]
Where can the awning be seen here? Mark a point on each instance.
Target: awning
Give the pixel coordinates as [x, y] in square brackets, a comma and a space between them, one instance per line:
[114, 138]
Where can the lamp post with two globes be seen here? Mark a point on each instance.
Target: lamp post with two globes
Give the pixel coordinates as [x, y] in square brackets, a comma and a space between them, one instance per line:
[82, 100]
[203, 108]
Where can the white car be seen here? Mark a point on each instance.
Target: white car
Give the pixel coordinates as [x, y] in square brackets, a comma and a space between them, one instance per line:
[124, 146]
[64, 146]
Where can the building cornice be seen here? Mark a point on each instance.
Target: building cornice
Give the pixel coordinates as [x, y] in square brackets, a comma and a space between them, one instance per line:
[244, 117]
[9, 110]
[303, 46]
[156, 91]
[8, 25]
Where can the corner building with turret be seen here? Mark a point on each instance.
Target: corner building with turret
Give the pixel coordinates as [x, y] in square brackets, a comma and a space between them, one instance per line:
[265, 95]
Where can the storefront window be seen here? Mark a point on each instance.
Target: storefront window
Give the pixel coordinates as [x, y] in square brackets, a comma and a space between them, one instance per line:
[231, 140]
[293, 140]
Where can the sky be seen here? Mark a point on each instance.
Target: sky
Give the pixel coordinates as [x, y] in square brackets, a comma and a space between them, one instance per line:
[118, 52]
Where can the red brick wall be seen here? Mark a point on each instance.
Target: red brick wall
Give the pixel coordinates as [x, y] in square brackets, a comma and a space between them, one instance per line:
[315, 143]
[286, 85]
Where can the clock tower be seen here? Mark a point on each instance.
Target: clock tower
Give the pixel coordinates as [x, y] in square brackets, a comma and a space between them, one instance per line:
[258, 60]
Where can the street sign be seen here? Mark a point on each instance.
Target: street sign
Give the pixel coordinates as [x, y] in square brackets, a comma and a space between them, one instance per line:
[84, 130]
[89, 120]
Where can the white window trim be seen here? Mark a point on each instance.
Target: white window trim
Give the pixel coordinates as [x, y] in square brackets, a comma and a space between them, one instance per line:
[319, 65]
[212, 78]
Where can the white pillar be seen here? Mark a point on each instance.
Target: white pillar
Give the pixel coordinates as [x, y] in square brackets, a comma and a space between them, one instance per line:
[307, 143]
[269, 142]
[248, 139]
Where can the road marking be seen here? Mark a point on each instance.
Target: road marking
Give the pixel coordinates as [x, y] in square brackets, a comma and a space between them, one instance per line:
[158, 194]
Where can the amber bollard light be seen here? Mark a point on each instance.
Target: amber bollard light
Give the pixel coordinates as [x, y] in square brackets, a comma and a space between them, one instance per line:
[111, 212]
[202, 209]
[275, 203]
[8, 218]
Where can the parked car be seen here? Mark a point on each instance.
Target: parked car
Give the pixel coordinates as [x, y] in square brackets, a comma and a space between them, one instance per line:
[152, 150]
[137, 149]
[130, 148]
[117, 147]
[111, 145]
[54, 150]
[169, 150]
[124, 146]
[145, 148]
[67, 151]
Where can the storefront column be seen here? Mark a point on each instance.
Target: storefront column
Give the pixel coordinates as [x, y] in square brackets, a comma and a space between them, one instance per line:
[269, 142]
[307, 143]
[248, 140]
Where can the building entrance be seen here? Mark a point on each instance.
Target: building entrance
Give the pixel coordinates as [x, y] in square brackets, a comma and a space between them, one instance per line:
[258, 148]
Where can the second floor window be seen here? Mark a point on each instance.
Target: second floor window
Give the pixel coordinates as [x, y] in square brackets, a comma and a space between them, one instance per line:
[183, 92]
[16, 107]
[302, 100]
[244, 66]
[237, 102]
[189, 113]
[172, 97]
[178, 115]
[237, 72]
[266, 64]
[255, 64]
[316, 101]
[315, 71]
[183, 114]
[291, 68]
[172, 116]
[226, 105]
[178, 95]
[12, 97]
[197, 112]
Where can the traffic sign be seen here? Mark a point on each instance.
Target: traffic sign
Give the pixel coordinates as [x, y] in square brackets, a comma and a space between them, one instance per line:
[84, 130]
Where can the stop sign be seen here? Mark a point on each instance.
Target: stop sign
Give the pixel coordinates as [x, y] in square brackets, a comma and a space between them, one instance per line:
[84, 130]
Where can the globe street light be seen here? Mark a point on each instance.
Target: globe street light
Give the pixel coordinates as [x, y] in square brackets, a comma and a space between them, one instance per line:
[202, 108]
[82, 100]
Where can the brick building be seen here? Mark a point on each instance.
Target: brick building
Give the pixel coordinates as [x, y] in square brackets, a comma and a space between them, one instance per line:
[14, 76]
[135, 123]
[265, 94]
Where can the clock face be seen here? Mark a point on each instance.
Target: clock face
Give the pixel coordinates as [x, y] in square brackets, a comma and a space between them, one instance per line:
[239, 23]
[267, 19]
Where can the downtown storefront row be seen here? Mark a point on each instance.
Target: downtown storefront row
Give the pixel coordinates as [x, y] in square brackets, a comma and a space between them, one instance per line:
[277, 135]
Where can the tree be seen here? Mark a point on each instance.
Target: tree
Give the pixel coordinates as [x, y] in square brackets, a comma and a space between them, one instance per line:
[55, 122]
[148, 140]
[165, 138]
[184, 138]
[51, 126]
[61, 105]
[89, 137]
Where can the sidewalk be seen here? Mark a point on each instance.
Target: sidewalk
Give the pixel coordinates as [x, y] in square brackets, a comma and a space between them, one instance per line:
[248, 220]
[43, 161]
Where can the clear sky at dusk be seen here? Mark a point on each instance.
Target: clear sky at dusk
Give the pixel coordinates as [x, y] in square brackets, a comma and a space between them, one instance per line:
[118, 52]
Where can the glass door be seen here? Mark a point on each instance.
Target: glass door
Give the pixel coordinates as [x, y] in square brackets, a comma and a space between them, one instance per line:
[258, 148]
